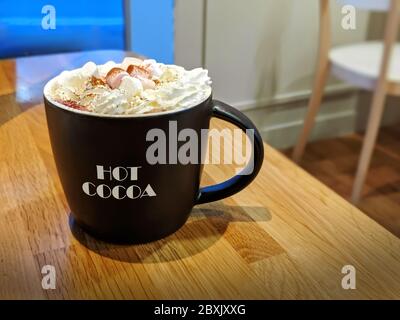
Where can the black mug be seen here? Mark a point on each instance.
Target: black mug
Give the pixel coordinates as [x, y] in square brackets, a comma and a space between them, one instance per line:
[114, 193]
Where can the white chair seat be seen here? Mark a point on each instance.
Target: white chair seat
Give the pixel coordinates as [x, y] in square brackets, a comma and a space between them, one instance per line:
[374, 5]
[359, 64]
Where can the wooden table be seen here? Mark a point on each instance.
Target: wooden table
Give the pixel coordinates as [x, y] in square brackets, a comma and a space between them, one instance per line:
[285, 236]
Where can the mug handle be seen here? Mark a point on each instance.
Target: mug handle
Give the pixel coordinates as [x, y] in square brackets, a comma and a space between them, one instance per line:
[235, 184]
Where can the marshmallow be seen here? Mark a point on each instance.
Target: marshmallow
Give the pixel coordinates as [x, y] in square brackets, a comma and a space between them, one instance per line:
[105, 68]
[114, 77]
[138, 71]
[89, 69]
[131, 86]
[154, 68]
[147, 83]
[130, 60]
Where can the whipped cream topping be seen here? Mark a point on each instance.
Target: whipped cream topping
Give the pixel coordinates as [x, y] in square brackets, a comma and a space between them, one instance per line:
[132, 87]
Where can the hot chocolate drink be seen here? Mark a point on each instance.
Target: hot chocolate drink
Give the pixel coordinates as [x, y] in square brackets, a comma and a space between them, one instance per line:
[132, 87]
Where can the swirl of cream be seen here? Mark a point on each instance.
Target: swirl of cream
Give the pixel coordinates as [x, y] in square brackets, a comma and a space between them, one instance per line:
[191, 88]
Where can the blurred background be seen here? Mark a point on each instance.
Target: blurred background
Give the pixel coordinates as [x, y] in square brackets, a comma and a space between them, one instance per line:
[26, 29]
[262, 56]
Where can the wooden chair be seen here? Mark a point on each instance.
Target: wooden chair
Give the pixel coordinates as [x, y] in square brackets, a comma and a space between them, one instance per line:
[369, 65]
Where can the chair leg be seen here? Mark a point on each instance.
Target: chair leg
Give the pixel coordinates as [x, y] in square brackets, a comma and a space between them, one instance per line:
[375, 117]
[313, 108]
[378, 102]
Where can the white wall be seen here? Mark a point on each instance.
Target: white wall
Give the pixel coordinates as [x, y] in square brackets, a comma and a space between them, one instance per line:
[261, 55]
[258, 50]
[190, 18]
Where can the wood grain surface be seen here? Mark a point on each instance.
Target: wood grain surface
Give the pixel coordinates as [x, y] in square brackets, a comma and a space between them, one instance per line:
[334, 161]
[285, 236]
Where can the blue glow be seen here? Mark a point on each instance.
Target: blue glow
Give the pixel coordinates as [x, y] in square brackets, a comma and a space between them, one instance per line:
[152, 32]
[83, 25]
